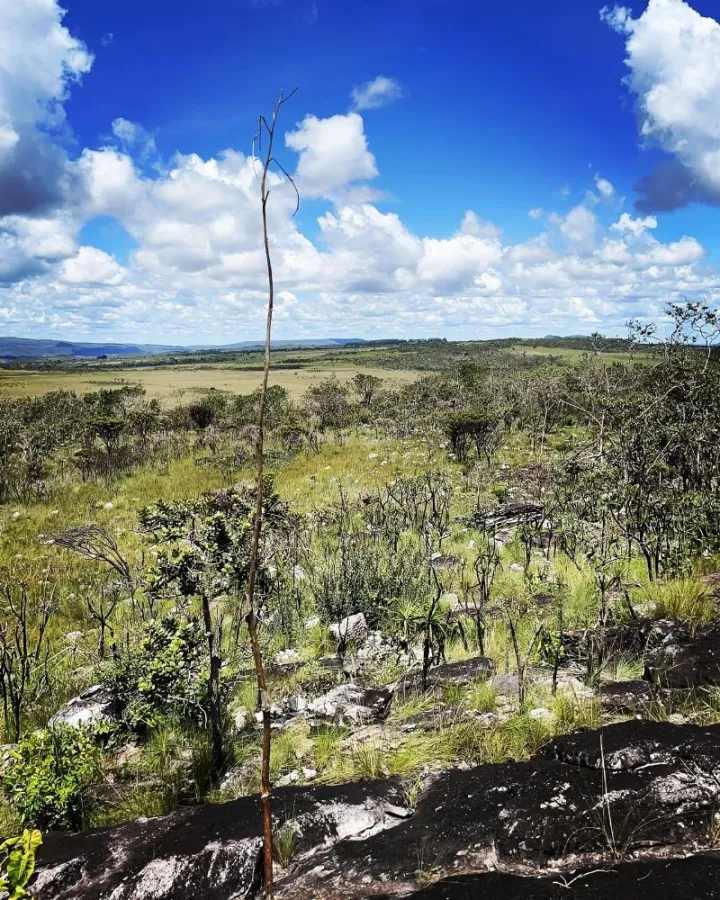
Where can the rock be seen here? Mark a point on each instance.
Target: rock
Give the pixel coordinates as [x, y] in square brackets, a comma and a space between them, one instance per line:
[441, 561]
[291, 778]
[509, 685]
[511, 514]
[312, 622]
[620, 640]
[299, 573]
[464, 671]
[285, 657]
[692, 878]
[94, 706]
[211, 851]
[678, 657]
[353, 704]
[353, 628]
[72, 637]
[7, 755]
[241, 717]
[660, 785]
[296, 704]
[625, 696]
[541, 714]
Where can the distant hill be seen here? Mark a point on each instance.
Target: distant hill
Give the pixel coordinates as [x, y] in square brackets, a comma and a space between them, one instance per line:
[23, 348]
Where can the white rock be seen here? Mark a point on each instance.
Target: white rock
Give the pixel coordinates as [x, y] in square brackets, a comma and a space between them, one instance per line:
[241, 717]
[108, 506]
[541, 714]
[298, 573]
[373, 455]
[351, 628]
[312, 622]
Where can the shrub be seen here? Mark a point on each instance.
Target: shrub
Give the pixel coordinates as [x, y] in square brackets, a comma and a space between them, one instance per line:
[163, 675]
[48, 774]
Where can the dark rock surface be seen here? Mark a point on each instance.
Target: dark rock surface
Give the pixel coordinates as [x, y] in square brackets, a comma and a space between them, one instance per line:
[662, 783]
[510, 514]
[587, 799]
[211, 851]
[463, 672]
[691, 878]
[626, 696]
[678, 657]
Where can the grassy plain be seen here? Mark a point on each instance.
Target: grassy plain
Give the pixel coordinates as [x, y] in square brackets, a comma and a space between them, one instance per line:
[174, 383]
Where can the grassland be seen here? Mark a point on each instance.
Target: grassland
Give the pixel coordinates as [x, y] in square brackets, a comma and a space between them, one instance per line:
[172, 383]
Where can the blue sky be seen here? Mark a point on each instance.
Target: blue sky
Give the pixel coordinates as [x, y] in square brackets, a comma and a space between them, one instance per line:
[506, 169]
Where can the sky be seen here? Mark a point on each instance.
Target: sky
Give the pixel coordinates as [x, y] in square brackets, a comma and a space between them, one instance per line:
[466, 170]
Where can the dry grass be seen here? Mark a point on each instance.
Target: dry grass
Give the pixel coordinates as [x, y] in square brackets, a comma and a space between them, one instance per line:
[174, 384]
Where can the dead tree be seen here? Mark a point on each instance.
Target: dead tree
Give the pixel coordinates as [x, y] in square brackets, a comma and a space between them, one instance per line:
[93, 542]
[266, 133]
[23, 650]
[101, 610]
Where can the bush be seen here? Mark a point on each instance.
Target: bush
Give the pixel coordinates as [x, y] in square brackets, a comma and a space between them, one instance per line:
[48, 774]
[163, 676]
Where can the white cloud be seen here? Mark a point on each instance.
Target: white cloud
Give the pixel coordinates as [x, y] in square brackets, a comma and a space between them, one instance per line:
[134, 139]
[380, 91]
[39, 60]
[579, 227]
[636, 227]
[92, 266]
[536, 212]
[333, 153]
[673, 57]
[605, 187]
[198, 270]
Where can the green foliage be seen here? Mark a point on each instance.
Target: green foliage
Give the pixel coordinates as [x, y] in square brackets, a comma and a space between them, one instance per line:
[48, 774]
[163, 675]
[18, 863]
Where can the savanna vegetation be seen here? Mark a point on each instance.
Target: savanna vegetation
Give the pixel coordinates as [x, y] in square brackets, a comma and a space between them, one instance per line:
[489, 506]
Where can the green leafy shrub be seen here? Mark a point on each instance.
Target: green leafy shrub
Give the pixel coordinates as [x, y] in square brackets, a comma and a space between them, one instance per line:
[48, 774]
[164, 675]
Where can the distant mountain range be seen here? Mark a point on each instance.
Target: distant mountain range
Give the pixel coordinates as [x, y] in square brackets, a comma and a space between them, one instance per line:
[23, 348]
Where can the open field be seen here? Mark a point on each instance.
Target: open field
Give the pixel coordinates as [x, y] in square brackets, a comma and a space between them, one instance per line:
[173, 383]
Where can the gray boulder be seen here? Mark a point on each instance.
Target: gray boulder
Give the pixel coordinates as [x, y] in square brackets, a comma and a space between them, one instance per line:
[352, 704]
[94, 706]
[350, 629]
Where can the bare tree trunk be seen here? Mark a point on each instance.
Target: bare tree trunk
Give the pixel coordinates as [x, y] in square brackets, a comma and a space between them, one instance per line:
[265, 129]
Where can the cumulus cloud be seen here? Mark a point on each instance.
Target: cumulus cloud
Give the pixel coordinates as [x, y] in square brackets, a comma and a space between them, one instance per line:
[39, 61]
[333, 153]
[198, 266]
[380, 91]
[636, 227]
[579, 227]
[673, 57]
[92, 266]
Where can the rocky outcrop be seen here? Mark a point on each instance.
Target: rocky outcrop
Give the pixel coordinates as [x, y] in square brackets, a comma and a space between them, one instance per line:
[211, 851]
[693, 878]
[588, 799]
[511, 514]
[352, 703]
[680, 657]
[657, 790]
